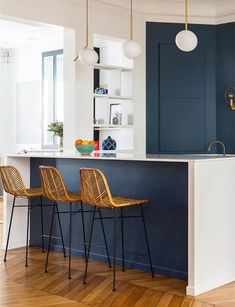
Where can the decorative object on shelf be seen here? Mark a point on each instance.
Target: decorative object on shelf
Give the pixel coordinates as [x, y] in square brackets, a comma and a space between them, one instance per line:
[115, 120]
[84, 147]
[100, 121]
[109, 155]
[87, 56]
[115, 115]
[109, 144]
[131, 48]
[97, 145]
[130, 119]
[57, 128]
[186, 40]
[101, 91]
[230, 97]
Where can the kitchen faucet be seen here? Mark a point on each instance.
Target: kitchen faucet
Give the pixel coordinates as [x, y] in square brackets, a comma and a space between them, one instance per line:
[218, 142]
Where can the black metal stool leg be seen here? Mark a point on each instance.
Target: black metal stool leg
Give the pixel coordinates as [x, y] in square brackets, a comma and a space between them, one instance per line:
[123, 248]
[9, 229]
[49, 242]
[70, 238]
[27, 234]
[147, 242]
[105, 240]
[84, 233]
[61, 233]
[89, 245]
[115, 219]
[42, 226]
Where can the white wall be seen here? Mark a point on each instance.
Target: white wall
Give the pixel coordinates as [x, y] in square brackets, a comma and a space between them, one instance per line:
[7, 106]
[104, 20]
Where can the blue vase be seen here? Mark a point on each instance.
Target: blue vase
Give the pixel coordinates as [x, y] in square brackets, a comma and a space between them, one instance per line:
[109, 144]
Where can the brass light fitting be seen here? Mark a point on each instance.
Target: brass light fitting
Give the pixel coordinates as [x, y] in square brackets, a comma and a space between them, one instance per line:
[230, 97]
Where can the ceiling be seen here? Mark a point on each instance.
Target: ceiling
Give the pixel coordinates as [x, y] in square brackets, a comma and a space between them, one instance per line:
[15, 34]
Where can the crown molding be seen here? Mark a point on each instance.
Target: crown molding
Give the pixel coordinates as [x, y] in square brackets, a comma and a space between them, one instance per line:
[201, 12]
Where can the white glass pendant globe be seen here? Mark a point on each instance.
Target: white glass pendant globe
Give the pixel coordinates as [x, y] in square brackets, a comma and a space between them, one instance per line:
[132, 49]
[88, 57]
[186, 40]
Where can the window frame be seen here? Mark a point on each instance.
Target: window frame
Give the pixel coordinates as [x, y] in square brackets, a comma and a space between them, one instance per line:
[54, 54]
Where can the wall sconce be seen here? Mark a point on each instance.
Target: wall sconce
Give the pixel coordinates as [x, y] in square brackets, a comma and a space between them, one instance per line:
[5, 56]
[230, 97]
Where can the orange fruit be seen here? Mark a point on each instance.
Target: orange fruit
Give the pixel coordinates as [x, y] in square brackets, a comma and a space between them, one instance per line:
[78, 142]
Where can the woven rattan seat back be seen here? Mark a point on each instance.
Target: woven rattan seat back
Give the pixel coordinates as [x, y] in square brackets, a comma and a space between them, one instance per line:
[12, 181]
[53, 186]
[94, 188]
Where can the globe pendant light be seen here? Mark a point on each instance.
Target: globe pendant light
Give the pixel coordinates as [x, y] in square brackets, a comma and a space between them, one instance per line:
[131, 48]
[186, 40]
[87, 56]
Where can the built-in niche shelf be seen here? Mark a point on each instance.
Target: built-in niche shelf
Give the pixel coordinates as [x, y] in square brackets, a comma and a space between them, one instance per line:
[112, 127]
[113, 113]
[111, 67]
[113, 97]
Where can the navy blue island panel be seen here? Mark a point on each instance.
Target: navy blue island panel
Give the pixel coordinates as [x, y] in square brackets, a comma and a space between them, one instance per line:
[165, 184]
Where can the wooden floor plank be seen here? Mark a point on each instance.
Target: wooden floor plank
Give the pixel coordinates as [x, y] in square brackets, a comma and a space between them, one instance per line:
[20, 286]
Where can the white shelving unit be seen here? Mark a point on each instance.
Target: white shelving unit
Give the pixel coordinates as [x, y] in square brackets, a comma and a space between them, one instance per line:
[113, 97]
[112, 67]
[115, 73]
[112, 127]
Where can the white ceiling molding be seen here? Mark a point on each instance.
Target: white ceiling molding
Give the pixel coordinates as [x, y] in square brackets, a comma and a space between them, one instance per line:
[200, 11]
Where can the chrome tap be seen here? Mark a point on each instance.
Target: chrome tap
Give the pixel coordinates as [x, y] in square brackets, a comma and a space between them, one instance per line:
[218, 142]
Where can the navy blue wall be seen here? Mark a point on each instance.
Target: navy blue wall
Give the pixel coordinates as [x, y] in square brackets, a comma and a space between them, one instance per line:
[225, 78]
[181, 90]
[166, 213]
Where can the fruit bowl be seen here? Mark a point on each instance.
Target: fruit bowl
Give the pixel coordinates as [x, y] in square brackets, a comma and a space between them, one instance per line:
[85, 149]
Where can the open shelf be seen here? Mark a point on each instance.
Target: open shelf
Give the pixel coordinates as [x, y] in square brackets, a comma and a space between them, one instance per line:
[113, 97]
[116, 76]
[111, 67]
[112, 127]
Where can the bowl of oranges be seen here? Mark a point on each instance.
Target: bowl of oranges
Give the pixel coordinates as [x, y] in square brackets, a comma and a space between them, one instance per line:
[84, 147]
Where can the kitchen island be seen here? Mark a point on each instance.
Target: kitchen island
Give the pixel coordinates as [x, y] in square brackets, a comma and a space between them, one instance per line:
[190, 197]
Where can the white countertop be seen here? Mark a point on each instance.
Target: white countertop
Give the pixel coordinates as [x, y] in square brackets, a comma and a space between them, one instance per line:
[102, 155]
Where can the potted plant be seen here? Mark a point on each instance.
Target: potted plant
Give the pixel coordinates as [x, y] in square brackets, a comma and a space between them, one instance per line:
[56, 128]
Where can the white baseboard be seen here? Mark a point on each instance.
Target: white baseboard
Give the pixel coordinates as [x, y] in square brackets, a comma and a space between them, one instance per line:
[210, 285]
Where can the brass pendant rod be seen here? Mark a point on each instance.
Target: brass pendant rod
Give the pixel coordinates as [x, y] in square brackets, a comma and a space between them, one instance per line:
[87, 29]
[87, 24]
[131, 21]
[186, 14]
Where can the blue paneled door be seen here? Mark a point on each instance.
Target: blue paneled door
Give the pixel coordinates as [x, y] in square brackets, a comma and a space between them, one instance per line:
[181, 95]
[181, 99]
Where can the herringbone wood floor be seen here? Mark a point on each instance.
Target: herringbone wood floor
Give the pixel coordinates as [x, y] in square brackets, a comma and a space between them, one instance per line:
[32, 287]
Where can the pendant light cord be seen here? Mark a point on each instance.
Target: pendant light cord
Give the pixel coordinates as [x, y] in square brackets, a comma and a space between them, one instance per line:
[186, 15]
[131, 21]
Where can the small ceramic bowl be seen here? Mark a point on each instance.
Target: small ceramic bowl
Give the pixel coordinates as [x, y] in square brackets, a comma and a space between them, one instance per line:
[86, 149]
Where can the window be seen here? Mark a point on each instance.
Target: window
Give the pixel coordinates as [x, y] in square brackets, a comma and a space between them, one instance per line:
[53, 94]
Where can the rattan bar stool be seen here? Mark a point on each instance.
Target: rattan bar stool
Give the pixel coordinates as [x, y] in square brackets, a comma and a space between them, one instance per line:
[13, 184]
[54, 188]
[95, 191]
